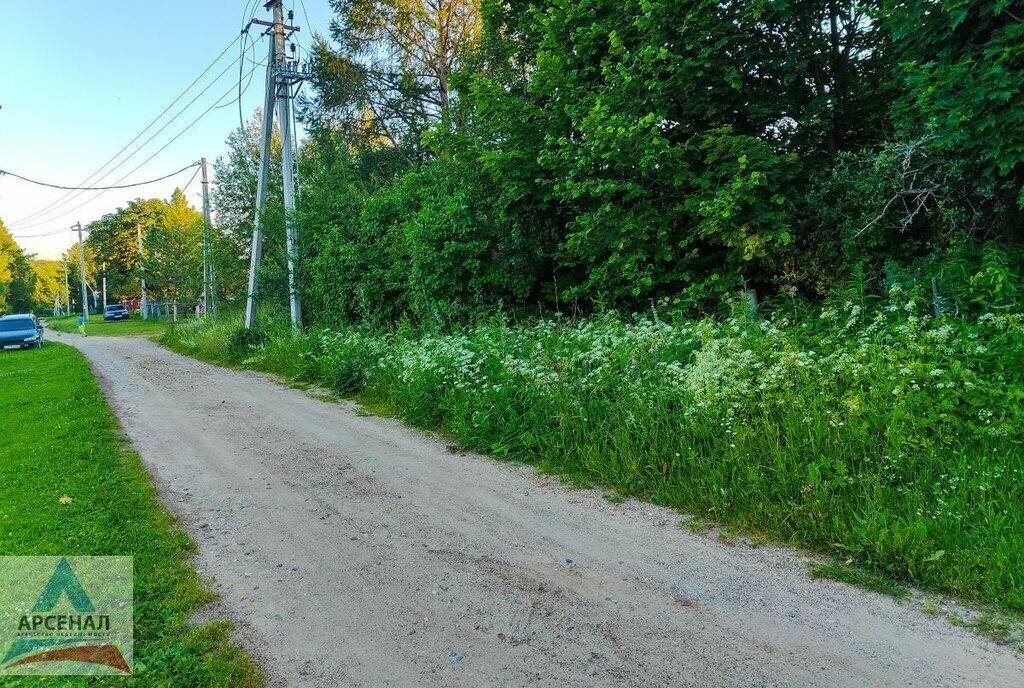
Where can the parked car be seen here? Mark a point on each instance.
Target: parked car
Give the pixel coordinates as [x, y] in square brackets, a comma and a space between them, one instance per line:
[20, 332]
[115, 311]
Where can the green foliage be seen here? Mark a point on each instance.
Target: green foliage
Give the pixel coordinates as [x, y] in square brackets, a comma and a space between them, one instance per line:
[233, 200]
[171, 251]
[426, 246]
[603, 156]
[389, 78]
[49, 283]
[574, 155]
[17, 279]
[113, 241]
[174, 252]
[963, 79]
[243, 343]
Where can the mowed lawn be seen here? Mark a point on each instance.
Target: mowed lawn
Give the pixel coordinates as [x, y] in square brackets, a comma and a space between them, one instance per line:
[60, 439]
[117, 328]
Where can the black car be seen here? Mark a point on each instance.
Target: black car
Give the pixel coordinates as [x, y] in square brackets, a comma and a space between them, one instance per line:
[20, 332]
[115, 311]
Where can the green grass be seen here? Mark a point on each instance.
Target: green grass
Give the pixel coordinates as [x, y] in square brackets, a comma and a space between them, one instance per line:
[61, 438]
[874, 433]
[135, 326]
[861, 578]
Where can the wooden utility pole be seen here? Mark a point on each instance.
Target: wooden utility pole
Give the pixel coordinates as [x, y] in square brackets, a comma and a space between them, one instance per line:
[67, 288]
[281, 74]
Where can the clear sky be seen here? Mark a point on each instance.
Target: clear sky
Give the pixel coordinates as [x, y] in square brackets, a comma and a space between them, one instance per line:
[78, 81]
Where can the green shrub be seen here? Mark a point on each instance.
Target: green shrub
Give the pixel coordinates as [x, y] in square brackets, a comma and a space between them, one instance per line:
[243, 343]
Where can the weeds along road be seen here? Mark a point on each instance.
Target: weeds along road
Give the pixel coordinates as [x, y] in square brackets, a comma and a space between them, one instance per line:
[352, 551]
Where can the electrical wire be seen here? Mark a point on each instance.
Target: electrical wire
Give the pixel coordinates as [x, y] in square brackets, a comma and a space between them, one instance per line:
[91, 177]
[305, 15]
[93, 188]
[191, 179]
[74, 192]
[181, 133]
[43, 234]
[135, 152]
[242, 90]
[249, 11]
[241, 66]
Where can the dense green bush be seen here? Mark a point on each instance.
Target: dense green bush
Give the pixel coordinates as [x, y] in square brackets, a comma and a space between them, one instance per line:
[427, 246]
[244, 342]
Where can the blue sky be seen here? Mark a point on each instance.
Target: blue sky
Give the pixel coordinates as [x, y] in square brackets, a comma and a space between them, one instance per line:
[79, 80]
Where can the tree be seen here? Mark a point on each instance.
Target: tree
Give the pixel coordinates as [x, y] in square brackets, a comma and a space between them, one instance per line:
[113, 240]
[233, 201]
[390, 76]
[174, 252]
[601, 153]
[17, 281]
[963, 79]
[49, 283]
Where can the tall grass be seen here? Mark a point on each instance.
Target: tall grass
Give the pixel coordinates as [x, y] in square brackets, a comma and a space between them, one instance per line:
[883, 434]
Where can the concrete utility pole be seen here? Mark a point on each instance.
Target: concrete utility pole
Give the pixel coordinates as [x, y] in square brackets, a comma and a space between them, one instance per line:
[209, 265]
[67, 287]
[281, 75]
[142, 279]
[284, 115]
[81, 264]
[104, 287]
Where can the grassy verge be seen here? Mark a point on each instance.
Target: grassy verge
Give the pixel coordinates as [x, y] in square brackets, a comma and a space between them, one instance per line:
[874, 432]
[61, 439]
[861, 578]
[117, 328]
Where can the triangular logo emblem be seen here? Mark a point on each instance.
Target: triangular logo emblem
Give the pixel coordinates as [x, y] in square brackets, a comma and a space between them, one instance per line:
[63, 581]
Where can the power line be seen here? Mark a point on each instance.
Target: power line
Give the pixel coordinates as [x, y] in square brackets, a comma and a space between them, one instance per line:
[245, 32]
[94, 188]
[249, 10]
[191, 124]
[44, 234]
[135, 152]
[192, 178]
[58, 203]
[309, 25]
[241, 66]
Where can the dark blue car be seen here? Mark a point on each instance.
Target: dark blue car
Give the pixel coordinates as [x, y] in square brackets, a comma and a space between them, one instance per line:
[20, 332]
[115, 311]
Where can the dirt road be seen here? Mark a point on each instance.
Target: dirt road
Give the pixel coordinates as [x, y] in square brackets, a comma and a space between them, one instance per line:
[352, 551]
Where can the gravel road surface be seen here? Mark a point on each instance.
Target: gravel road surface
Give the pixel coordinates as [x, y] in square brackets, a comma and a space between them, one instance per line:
[353, 551]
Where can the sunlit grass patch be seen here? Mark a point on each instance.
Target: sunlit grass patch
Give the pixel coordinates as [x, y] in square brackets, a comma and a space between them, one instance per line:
[69, 485]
